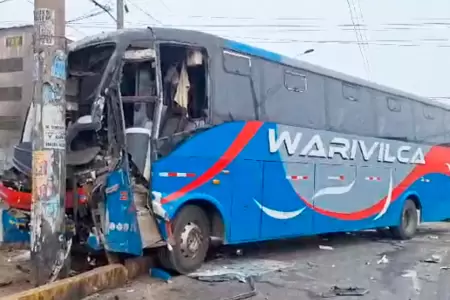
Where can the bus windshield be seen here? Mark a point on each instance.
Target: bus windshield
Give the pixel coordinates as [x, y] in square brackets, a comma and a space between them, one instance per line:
[86, 68]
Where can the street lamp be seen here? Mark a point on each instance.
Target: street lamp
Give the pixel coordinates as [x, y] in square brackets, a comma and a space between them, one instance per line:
[304, 52]
[307, 51]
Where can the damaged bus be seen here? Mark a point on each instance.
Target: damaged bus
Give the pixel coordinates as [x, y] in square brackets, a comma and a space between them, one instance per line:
[178, 138]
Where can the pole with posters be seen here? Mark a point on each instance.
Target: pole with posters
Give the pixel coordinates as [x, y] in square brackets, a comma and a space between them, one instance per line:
[49, 247]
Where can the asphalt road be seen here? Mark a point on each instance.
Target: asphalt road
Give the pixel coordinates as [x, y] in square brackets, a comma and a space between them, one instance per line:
[353, 262]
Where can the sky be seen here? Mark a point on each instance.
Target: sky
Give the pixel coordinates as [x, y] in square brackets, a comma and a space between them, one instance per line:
[402, 44]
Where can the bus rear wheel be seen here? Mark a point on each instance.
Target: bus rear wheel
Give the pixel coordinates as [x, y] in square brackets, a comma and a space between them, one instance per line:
[191, 232]
[408, 222]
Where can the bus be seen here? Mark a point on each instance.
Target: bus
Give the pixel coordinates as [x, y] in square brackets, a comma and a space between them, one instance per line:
[238, 144]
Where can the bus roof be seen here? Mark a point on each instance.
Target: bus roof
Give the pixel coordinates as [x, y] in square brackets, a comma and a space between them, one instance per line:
[205, 39]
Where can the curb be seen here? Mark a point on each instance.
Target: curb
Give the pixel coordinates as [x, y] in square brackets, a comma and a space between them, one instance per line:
[88, 283]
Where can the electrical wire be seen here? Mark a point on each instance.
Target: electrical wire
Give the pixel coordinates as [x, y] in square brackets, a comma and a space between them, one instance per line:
[363, 33]
[104, 8]
[145, 12]
[359, 42]
[342, 26]
[84, 17]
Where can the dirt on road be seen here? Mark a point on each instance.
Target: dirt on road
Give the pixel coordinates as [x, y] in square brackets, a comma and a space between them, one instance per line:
[14, 269]
[384, 268]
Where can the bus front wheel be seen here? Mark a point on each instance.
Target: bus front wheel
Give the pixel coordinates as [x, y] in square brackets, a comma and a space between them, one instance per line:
[408, 222]
[191, 232]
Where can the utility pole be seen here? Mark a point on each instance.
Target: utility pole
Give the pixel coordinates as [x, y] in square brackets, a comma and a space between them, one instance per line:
[120, 14]
[49, 247]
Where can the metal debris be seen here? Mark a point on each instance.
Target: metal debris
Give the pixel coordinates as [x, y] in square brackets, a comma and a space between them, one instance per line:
[245, 295]
[237, 269]
[383, 260]
[322, 247]
[445, 268]
[415, 281]
[434, 259]
[348, 291]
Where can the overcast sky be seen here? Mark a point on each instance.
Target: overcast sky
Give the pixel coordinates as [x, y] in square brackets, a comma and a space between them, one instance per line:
[405, 42]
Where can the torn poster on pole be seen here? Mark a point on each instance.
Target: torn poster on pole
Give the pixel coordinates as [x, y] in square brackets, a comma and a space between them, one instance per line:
[52, 114]
[45, 19]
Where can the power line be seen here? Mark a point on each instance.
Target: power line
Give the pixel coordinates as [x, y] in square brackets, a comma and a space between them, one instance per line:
[366, 65]
[145, 12]
[104, 8]
[84, 17]
[362, 32]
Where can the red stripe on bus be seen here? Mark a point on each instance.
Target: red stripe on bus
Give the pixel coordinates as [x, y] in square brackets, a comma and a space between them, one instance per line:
[243, 138]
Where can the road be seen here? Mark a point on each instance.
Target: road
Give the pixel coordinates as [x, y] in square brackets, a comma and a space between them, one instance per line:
[353, 262]
[14, 269]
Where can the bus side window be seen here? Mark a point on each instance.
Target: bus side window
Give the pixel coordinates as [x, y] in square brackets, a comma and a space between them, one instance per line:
[237, 63]
[295, 82]
[350, 92]
[394, 105]
[428, 112]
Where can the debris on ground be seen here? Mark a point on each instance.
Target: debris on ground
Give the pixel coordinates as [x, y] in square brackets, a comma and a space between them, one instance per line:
[237, 269]
[433, 237]
[445, 268]
[5, 283]
[160, 274]
[383, 260]
[322, 247]
[23, 269]
[415, 281]
[245, 295]
[434, 259]
[23, 256]
[348, 291]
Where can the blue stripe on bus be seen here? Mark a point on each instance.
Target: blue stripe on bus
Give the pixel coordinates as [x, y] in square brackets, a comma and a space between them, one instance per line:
[250, 50]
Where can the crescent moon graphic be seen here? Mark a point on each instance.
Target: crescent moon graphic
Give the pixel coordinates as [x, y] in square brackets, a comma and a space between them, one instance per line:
[334, 190]
[280, 215]
[388, 199]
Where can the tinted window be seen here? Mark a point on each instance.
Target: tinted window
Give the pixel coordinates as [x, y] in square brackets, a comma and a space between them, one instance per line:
[11, 93]
[349, 108]
[236, 63]
[295, 82]
[8, 65]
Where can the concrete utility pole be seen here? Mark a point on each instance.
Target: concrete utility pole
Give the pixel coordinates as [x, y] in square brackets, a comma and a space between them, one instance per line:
[120, 14]
[49, 248]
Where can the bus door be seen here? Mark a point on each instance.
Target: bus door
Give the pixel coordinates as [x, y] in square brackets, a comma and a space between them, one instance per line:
[284, 211]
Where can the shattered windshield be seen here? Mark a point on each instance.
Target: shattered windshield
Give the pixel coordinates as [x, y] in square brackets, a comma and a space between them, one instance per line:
[86, 68]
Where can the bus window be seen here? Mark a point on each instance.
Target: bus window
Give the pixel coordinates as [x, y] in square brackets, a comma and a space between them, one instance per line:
[350, 92]
[295, 82]
[138, 81]
[237, 63]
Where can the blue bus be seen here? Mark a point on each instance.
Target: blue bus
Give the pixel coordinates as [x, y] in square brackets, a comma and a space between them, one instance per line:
[201, 138]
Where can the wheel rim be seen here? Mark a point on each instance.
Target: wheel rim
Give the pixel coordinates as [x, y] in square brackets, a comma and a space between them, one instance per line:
[191, 240]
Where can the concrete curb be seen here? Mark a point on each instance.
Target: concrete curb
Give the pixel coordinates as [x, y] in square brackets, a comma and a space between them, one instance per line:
[88, 283]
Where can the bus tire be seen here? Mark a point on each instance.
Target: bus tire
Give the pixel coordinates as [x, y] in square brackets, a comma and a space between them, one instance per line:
[408, 222]
[191, 232]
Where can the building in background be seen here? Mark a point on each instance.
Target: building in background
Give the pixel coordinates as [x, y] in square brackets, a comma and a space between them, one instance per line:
[16, 84]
